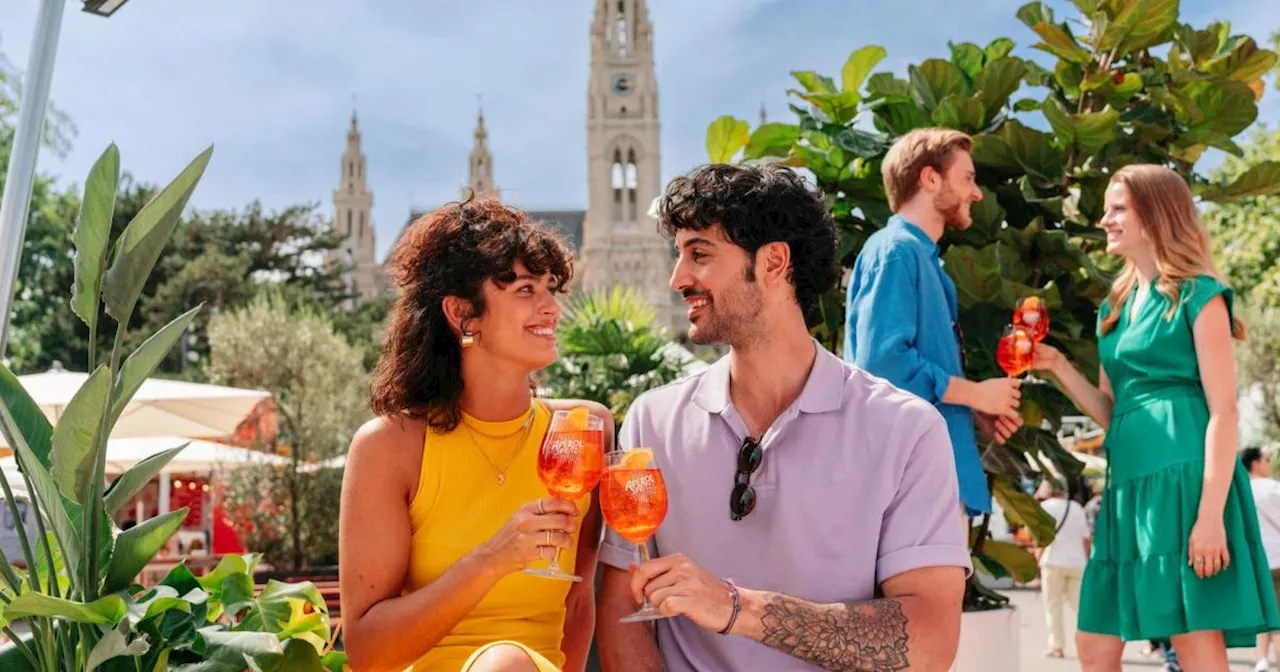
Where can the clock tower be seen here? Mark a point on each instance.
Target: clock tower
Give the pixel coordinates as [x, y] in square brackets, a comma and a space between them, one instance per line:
[620, 242]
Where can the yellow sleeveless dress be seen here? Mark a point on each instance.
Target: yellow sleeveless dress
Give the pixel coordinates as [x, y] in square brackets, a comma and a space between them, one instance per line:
[459, 505]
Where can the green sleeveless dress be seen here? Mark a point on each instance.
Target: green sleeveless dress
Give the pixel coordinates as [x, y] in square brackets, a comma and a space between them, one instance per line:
[1138, 584]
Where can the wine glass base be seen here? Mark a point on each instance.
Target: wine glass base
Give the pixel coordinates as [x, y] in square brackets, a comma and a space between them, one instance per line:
[553, 573]
[646, 613]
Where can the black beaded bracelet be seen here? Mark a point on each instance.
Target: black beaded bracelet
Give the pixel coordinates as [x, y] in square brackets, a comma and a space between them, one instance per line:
[737, 607]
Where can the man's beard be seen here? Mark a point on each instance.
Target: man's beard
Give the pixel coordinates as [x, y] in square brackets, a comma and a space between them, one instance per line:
[732, 316]
[953, 209]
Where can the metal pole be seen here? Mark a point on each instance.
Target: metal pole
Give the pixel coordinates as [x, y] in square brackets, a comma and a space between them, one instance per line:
[20, 179]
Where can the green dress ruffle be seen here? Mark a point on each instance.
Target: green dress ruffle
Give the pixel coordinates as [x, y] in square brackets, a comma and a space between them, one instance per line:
[1138, 584]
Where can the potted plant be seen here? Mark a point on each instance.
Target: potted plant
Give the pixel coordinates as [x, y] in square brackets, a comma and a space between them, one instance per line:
[1108, 101]
[75, 594]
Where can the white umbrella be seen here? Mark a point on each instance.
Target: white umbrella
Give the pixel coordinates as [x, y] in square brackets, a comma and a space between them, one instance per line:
[197, 457]
[159, 408]
[337, 462]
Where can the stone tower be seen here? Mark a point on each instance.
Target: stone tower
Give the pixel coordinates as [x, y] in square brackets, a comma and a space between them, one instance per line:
[353, 218]
[621, 244]
[480, 173]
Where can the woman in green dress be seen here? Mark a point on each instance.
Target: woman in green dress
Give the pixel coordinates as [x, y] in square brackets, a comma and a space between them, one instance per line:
[1176, 551]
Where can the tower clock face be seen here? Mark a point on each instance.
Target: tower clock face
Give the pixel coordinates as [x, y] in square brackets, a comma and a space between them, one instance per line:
[623, 84]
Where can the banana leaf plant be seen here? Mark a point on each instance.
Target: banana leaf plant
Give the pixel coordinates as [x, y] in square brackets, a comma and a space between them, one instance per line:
[71, 602]
[1131, 84]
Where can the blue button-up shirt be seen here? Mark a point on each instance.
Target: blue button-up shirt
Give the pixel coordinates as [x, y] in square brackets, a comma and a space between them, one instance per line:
[901, 326]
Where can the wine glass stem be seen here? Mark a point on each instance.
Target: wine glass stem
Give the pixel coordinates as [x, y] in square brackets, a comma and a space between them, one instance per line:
[643, 550]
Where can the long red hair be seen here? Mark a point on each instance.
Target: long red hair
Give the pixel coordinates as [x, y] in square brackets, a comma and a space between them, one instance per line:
[1178, 239]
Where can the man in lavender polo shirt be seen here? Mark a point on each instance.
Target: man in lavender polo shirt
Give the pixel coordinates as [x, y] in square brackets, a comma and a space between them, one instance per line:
[813, 517]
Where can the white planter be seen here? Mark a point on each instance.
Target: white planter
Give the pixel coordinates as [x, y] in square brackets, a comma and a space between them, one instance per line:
[989, 641]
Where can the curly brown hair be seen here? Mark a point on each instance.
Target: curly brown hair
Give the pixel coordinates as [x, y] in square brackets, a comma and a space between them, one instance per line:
[452, 252]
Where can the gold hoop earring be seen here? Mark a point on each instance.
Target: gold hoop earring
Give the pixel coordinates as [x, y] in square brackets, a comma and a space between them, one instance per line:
[467, 340]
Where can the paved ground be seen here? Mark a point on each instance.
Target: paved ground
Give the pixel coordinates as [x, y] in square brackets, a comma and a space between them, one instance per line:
[1035, 642]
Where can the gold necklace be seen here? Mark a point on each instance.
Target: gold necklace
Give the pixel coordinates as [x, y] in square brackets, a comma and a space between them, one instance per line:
[502, 473]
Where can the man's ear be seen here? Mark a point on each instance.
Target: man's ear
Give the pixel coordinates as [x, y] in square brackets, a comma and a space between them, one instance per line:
[773, 261]
[931, 179]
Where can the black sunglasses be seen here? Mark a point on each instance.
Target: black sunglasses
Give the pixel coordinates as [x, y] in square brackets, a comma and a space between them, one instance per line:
[743, 500]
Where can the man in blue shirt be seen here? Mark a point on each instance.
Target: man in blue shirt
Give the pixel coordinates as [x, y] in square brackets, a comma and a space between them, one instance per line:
[901, 321]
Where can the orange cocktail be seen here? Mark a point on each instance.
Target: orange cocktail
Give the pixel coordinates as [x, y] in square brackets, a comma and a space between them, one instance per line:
[1033, 316]
[569, 464]
[633, 499]
[1015, 350]
[572, 456]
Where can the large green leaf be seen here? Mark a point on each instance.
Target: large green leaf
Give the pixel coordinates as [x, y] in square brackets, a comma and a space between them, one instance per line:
[993, 151]
[859, 65]
[935, 79]
[143, 362]
[1032, 151]
[102, 611]
[300, 656]
[813, 82]
[138, 248]
[228, 566]
[292, 608]
[987, 214]
[1219, 104]
[1023, 509]
[998, 81]
[1244, 62]
[884, 84]
[860, 143]
[1096, 129]
[1262, 179]
[977, 272]
[725, 136]
[1044, 443]
[900, 117]
[136, 478]
[136, 546]
[771, 140]
[961, 113]
[75, 437]
[29, 421]
[93, 233]
[158, 601]
[1057, 40]
[1059, 119]
[840, 108]
[1020, 564]
[968, 57]
[1139, 24]
[998, 49]
[56, 508]
[224, 651]
[114, 643]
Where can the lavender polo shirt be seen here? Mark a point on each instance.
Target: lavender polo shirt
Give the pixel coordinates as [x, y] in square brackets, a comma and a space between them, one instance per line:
[857, 484]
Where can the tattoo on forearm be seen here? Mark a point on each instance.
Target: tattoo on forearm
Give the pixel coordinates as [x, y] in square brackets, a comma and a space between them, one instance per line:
[869, 635]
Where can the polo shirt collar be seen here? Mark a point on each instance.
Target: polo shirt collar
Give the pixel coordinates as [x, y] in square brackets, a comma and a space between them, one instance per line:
[823, 391]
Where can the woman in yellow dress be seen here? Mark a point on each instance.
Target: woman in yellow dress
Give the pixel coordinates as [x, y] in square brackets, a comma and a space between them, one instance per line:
[442, 506]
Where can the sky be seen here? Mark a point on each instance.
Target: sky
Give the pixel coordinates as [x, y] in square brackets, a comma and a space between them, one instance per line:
[272, 84]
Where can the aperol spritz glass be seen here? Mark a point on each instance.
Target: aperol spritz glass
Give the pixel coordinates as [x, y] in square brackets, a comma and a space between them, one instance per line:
[1015, 350]
[569, 464]
[633, 499]
[1032, 315]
